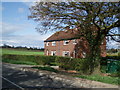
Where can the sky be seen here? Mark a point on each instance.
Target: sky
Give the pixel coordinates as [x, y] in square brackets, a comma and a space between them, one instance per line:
[17, 30]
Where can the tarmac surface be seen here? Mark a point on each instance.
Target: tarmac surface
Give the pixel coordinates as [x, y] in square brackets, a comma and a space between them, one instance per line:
[17, 79]
[13, 78]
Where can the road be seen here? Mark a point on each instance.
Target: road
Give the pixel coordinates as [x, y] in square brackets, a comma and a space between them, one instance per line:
[16, 79]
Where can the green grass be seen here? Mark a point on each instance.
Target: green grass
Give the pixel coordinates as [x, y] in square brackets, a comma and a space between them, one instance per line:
[104, 79]
[112, 54]
[19, 62]
[20, 52]
[46, 68]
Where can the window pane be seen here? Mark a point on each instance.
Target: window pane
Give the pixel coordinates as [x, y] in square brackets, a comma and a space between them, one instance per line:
[53, 43]
[53, 53]
[66, 42]
[66, 53]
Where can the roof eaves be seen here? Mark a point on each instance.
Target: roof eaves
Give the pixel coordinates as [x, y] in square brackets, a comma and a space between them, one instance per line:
[61, 39]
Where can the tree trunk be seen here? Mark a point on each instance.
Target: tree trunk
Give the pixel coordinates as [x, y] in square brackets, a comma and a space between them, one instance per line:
[94, 60]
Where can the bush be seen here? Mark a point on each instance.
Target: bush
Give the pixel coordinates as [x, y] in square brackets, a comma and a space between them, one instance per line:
[46, 68]
[19, 62]
[70, 63]
[113, 57]
[63, 62]
[41, 60]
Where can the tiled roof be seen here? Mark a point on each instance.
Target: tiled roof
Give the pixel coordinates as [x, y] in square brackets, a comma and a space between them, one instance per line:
[62, 35]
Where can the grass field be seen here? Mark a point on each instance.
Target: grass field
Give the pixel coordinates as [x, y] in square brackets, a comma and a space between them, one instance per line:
[112, 54]
[20, 52]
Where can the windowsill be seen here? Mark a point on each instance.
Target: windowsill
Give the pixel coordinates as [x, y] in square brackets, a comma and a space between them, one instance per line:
[65, 44]
[53, 45]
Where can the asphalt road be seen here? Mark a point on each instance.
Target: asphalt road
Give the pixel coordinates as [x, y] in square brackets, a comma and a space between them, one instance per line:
[15, 79]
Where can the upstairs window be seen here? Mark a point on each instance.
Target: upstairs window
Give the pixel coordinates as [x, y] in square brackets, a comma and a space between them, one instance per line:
[53, 53]
[47, 43]
[54, 43]
[74, 41]
[66, 53]
[66, 42]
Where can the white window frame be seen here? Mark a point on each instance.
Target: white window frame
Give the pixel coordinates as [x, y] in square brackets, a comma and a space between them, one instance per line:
[74, 53]
[52, 52]
[65, 42]
[84, 54]
[67, 52]
[74, 41]
[47, 43]
[53, 43]
[47, 52]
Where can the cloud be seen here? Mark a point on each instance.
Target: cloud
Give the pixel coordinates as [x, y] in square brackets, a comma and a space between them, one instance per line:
[19, 35]
[18, 0]
[10, 29]
[113, 44]
[23, 41]
[29, 3]
[20, 10]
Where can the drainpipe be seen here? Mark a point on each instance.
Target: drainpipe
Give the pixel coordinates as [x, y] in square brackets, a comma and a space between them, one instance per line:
[59, 48]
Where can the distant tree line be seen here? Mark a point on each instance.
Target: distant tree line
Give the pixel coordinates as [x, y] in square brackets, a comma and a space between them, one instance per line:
[21, 47]
[112, 50]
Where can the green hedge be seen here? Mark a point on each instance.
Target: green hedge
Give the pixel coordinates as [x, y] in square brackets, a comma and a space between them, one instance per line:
[112, 57]
[41, 60]
[64, 62]
[70, 63]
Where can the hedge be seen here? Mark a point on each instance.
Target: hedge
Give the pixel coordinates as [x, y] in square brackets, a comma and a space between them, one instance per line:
[113, 57]
[70, 63]
[64, 62]
[41, 60]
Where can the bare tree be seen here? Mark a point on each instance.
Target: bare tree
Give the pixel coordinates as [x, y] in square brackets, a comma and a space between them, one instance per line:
[94, 21]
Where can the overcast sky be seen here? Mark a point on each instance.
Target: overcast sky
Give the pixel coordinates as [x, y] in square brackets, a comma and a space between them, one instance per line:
[17, 30]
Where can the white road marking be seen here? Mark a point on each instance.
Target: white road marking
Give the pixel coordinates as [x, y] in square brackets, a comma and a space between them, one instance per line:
[12, 83]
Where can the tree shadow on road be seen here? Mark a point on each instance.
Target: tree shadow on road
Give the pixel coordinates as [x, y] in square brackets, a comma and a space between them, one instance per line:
[27, 79]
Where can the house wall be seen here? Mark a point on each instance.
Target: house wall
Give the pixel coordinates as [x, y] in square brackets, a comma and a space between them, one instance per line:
[59, 47]
[76, 50]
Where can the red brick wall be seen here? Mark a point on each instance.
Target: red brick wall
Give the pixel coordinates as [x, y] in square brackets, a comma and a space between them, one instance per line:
[79, 48]
[59, 48]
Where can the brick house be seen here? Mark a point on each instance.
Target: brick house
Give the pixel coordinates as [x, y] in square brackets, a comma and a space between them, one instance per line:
[66, 43]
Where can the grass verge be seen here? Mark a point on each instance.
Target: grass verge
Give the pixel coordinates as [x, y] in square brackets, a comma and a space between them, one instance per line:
[104, 79]
[46, 68]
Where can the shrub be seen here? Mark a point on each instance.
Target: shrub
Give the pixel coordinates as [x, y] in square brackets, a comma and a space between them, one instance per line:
[70, 63]
[113, 57]
[41, 60]
[63, 62]
[46, 68]
[45, 60]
